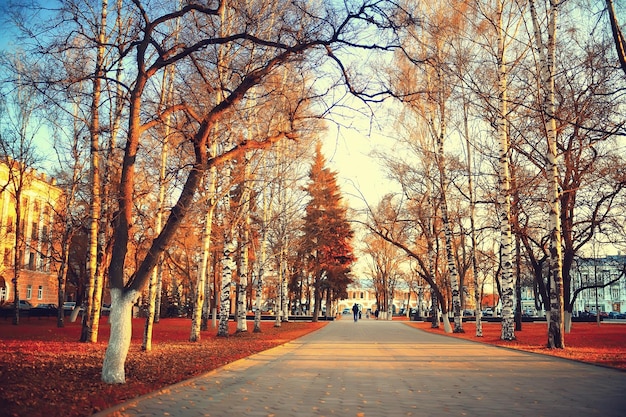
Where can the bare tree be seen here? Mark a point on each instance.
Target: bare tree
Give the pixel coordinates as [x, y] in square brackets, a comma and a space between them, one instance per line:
[20, 124]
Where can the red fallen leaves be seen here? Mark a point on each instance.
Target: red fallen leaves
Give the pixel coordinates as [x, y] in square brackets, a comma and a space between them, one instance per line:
[44, 371]
[587, 342]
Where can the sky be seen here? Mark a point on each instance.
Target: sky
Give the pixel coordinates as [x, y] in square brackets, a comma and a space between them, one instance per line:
[347, 149]
[361, 177]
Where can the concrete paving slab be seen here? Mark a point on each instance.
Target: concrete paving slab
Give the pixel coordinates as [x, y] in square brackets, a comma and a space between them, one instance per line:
[382, 369]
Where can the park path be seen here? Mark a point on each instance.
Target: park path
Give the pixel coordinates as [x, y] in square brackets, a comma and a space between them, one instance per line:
[383, 369]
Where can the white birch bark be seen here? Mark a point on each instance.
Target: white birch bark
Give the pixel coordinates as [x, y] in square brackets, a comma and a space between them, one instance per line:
[242, 325]
[200, 299]
[452, 271]
[504, 194]
[153, 285]
[279, 291]
[472, 207]
[121, 331]
[94, 178]
[201, 287]
[546, 54]
[228, 262]
[285, 291]
[228, 266]
[262, 260]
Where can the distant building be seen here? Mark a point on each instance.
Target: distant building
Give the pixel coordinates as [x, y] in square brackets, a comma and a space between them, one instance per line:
[38, 281]
[366, 299]
[595, 272]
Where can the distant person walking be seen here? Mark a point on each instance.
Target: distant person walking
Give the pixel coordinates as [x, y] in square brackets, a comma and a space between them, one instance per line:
[355, 312]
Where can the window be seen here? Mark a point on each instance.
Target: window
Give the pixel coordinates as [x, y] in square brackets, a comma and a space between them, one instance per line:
[40, 292]
[42, 263]
[362, 295]
[29, 292]
[31, 261]
[615, 293]
[34, 235]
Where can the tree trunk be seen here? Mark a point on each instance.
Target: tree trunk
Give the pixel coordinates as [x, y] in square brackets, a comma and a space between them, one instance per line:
[278, 308]
[454, 276]
[435, 307]
[156, 277]
[242, 303]
[504, 194]
[472, 207]
[547, 70]
[121, 331]
[618, 36]
[196, 320]
[262, 260]
[228, 265]
[285, 288]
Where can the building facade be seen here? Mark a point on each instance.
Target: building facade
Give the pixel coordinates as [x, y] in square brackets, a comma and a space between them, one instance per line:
[604, 284]
[37, 278]
[366, 299]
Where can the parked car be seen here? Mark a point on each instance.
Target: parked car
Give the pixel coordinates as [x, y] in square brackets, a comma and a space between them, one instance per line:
[69, 305]
[25, 305]
[488, 312]
[43, 310]
[48, 306]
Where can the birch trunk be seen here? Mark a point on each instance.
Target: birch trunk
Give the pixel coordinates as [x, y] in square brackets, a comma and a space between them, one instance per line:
[228, 266]
[279, 292]
[196, 320]
[242, 325]
[95, 206]
[504, 194]
[546, 53]
[121, 331]
[472, 207]
[156, 276]
[66, 238]
[285, 288]
[454, 275]
[262, 260]
[242, 303]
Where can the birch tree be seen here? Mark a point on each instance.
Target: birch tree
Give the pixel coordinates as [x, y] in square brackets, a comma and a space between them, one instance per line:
[312, 37]
[546, 51]
[504, 181]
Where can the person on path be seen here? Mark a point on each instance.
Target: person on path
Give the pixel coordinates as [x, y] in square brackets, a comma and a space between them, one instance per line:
[355, 312]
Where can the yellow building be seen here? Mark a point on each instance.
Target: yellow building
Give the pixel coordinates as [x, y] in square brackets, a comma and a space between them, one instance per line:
[39, 196]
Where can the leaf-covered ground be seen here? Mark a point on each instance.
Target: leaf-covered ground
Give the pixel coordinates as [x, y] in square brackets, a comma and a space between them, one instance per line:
[587, 342]
[46, 372]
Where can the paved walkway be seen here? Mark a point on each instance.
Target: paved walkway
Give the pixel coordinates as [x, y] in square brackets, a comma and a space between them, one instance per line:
[382, 369]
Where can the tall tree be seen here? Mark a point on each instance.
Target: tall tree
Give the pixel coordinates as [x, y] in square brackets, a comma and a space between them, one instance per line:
[618, 36]
[264, 37]
[19, 125]
[327, 234]
[546, 51]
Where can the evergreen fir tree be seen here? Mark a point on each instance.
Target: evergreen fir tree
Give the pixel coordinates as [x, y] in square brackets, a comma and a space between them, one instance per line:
[327, 235]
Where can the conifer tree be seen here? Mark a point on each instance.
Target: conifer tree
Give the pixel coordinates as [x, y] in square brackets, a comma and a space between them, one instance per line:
[327, 235]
